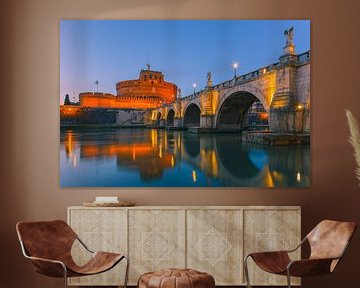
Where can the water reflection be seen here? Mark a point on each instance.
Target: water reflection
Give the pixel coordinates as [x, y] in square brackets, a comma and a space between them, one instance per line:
[141, 157]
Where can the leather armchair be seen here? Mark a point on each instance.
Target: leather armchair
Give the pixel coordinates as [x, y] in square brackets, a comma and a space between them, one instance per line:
[328, 243]
[48, 245]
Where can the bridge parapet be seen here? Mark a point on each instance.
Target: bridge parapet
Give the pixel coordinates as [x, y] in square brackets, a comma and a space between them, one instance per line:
[303, 58]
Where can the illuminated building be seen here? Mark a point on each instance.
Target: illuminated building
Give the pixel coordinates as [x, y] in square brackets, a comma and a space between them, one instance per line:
[149, 91]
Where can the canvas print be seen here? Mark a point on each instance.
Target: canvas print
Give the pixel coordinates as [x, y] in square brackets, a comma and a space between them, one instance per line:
[185, 103]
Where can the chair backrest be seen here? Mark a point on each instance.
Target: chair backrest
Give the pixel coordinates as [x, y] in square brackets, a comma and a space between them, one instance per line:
[329, 239]
[46, 239]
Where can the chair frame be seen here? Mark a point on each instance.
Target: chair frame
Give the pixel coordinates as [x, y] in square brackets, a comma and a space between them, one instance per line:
[246, 270]
[26, 255]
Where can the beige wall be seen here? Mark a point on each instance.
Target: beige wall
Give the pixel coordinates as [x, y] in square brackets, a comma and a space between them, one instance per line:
[30, 119]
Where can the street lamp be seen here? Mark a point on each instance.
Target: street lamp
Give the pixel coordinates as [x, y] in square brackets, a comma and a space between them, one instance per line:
[194, 85]
[235, 66]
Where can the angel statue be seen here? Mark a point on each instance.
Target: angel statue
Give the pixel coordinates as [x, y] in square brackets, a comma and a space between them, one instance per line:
[209, 80]
[289, 34]
[208, 76]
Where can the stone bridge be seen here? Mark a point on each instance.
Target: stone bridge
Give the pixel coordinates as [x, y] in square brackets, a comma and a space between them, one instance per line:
[283, 88]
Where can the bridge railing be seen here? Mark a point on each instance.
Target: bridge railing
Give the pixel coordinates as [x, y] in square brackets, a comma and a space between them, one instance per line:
[304, 57]
[247, 77]
[242, 79]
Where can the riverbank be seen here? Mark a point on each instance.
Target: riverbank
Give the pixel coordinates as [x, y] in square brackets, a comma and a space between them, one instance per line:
[255, 137]
[275, 139]
[98, 126]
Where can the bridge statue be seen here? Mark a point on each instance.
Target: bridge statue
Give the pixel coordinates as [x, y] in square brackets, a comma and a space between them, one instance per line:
[178, 96]
[209, 80]
[289, 46]
[289, 34]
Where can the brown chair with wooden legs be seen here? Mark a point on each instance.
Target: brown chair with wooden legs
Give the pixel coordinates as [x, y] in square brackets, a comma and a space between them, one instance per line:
[328, 242]
[48, 245]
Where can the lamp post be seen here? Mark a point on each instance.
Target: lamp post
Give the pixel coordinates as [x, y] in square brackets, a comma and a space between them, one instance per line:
[235, 66]
[194, 85]
[97, 85]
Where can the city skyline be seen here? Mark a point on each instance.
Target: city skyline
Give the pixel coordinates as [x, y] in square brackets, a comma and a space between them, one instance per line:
[184, 50]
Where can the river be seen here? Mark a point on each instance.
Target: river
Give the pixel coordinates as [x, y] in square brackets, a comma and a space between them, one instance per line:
[161, 158]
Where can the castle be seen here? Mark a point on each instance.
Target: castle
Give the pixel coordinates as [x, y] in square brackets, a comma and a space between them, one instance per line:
[147, 92]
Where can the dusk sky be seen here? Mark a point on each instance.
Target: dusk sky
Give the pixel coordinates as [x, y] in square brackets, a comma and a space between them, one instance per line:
[183, 50]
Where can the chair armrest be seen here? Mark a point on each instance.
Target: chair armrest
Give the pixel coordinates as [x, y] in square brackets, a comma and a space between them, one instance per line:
[268, 253]
[309, 267]
[298, 246]
[84, 245]
[281, 251]
[49, 267]
[46, 260]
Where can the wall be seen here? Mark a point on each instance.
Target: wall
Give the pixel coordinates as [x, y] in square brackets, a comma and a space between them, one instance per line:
[30, 119]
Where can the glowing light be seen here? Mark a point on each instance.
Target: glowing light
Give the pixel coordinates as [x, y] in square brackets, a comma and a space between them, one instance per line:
[268, 179]
[264, 70]
[134, 155]
[179, 141]
[154, 138]
[194, 178]
[235, 65]
[172, 161]
[300, 106]
[194, 85]
[70, 147]
[214, 164]
[264, 116]
[298, 177]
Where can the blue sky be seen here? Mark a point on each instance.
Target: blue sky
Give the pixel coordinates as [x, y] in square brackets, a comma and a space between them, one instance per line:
[184, 50]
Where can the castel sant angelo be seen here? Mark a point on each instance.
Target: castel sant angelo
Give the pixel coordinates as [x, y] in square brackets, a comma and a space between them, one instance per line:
[149, 91]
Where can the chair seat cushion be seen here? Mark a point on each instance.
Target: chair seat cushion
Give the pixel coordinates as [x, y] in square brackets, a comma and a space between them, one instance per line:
[99, 262]
[176, 278]
[272, 262]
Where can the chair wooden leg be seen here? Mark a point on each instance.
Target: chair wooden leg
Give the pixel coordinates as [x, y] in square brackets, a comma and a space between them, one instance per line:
[246, 270]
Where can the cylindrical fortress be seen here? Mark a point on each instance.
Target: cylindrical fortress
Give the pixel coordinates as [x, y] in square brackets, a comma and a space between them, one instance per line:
[147, 92]
[150, 83]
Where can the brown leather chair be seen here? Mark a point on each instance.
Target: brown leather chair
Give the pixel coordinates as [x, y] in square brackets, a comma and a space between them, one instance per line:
[328, 242]
[48, 245]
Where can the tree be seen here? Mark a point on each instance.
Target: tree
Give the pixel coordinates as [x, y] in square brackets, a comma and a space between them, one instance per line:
[67, 100]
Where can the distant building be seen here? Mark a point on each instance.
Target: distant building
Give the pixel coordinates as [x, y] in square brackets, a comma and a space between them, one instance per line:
[258, 118]
[149, 91]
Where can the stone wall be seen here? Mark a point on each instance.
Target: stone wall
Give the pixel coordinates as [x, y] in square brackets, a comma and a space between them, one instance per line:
[79, 115]
[131, 117]
[303, 84]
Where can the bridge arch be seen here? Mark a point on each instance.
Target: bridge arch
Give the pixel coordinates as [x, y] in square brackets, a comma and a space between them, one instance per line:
[192, 114]
[234, 106]
[158, 118]
[170, 117]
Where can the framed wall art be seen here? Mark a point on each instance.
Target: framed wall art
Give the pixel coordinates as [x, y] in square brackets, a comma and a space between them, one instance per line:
[184, 103]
